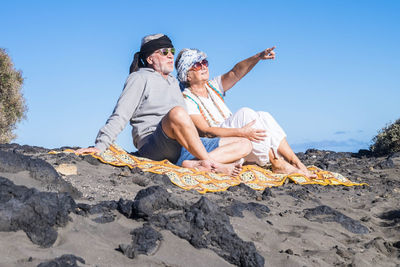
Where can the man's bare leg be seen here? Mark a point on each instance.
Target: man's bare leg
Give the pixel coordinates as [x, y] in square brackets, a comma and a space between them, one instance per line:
[178, 125]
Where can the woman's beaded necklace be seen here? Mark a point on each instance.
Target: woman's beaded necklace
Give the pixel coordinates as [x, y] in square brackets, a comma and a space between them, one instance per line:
[213, 121]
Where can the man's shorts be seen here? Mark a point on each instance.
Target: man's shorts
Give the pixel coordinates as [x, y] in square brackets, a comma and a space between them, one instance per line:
[158, 146]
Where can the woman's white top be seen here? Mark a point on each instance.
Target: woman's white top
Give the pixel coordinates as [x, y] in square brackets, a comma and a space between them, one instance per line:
[212, 107]
[217, 114]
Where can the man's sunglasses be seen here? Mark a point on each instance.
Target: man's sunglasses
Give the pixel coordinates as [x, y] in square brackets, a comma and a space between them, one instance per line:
[165, 51]
[198, 65]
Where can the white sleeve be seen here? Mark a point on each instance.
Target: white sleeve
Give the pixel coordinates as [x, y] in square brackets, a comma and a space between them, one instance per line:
[217, 83]
[191, 106]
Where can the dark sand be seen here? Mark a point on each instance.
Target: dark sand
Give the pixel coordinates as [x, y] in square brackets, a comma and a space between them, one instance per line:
[291, 234]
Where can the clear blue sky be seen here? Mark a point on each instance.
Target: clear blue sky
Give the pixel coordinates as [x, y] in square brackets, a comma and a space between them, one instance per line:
[334, 84]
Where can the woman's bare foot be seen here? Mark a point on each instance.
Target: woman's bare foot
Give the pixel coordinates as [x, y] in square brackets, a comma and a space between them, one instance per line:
[309, 174]
[304, 170]
[283, 167]
[201, 165]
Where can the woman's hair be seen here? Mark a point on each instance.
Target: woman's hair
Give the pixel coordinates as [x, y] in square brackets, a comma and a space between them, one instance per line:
[182, 84]
[185, 60]
[178, 57]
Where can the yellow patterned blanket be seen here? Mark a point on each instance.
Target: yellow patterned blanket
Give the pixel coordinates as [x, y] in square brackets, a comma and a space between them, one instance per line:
[254, 176]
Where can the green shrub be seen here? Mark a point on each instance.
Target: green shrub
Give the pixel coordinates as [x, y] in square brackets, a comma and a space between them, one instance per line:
[387, 140]
[12, 102]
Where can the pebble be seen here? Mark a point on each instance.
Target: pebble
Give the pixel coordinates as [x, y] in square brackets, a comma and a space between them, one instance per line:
[67, 169]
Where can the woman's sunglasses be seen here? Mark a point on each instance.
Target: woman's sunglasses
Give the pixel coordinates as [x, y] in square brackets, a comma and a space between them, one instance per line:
[165, 51]
[198, 65]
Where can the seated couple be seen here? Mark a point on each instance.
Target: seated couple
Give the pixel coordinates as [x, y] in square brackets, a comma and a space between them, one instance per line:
[166, 125]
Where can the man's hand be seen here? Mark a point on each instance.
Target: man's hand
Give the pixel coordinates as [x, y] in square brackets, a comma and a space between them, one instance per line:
[268, 53]
[87, 150]
[255, 135]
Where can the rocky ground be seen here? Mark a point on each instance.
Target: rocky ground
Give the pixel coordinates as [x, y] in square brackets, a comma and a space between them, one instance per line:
[68, 210]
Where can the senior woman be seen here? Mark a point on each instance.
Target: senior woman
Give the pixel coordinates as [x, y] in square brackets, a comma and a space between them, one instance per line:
[205, 103]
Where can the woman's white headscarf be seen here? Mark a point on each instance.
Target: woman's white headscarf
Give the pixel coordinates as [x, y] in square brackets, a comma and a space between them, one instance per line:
[187, 59]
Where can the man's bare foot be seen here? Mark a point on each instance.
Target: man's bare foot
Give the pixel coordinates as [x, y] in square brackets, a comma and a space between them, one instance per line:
[231, 169]
[201, 165]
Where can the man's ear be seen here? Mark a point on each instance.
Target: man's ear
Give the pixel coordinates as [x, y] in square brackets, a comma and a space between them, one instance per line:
[149, 60]
[189, 77]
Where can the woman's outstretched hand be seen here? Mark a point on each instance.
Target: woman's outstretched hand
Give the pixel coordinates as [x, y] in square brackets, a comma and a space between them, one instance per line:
[268, 53]
[88, 150]
[254, 135]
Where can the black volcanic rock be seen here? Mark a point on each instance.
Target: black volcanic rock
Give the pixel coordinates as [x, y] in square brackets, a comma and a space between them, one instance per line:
[386, 164]
[24, 149]
[363, 153]
[204, 225]
[391, 217]
[14, 162]
[327, 214]
[101, 207]
[145, 240]
[91, 160]
[39, 169]
[106, 217]
[104, 208]
[34, 212]
[125, 207]
[67, 260]
[267, 193]
[327, 160]
[395, 155]
[243, 189]
[300, 193]
[236, 209]
[334, 156]
[152, 199]
[147, 202]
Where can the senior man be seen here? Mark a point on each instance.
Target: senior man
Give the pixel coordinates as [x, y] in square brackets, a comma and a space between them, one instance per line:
[161, 128]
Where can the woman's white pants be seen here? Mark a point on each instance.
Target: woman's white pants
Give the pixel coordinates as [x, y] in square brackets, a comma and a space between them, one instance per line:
[264, 120]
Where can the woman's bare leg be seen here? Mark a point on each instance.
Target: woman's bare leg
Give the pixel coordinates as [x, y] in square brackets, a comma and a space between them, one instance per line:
[286, 151]
[279, 165]
[178, 125]
[231, 149]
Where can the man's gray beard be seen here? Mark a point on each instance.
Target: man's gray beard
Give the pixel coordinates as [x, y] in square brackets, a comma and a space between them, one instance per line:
[166, 70]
